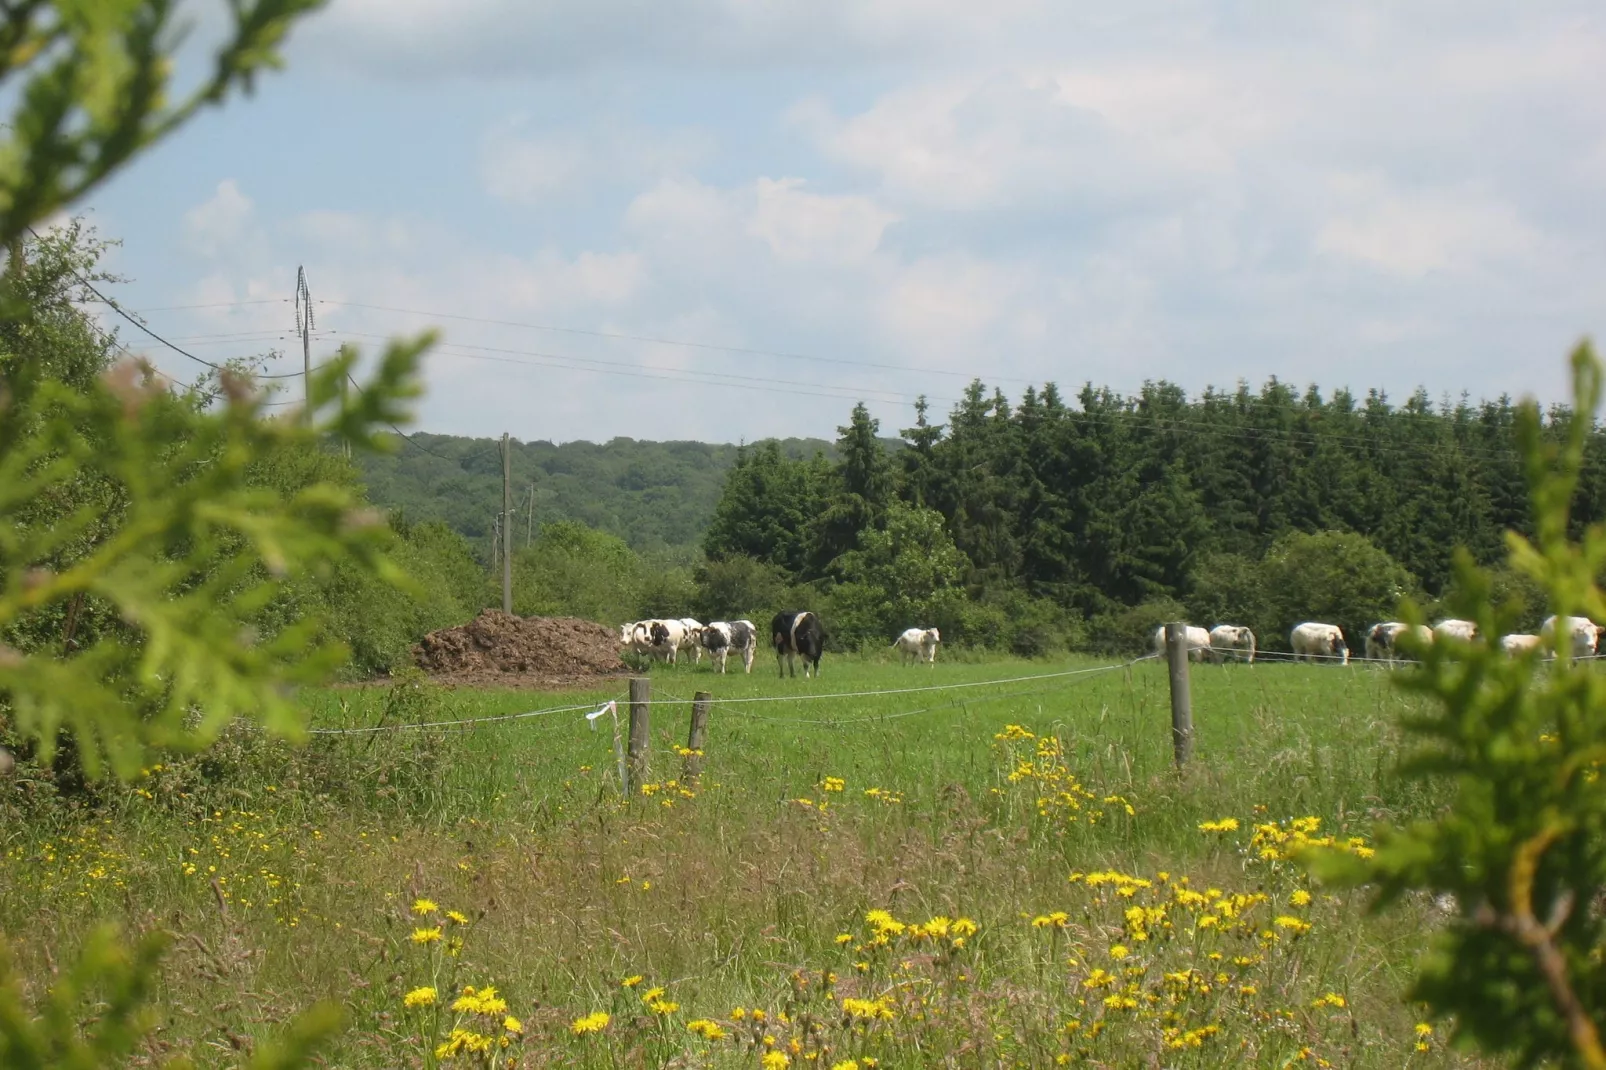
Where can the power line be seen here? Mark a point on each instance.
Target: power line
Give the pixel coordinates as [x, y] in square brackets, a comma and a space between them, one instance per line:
[215, 304]
[748, 351]
[638, 371]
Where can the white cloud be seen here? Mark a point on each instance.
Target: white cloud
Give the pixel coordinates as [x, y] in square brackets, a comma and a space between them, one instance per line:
[1410, 234]
[798, 225]
[528, 167]
[211, 227]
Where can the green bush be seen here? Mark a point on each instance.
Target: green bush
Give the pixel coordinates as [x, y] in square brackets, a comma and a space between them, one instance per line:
[1131, 630]
[1336, 577]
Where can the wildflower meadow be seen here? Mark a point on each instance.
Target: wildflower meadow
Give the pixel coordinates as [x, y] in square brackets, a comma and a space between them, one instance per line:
[996, 875]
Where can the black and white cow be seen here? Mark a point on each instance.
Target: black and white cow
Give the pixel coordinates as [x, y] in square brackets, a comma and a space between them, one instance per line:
[797, 632]
[723, 636]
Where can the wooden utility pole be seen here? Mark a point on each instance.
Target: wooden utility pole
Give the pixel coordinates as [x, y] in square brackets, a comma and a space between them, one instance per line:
[1176, 652]
[304, 324]
[640, 731]
[507, 525]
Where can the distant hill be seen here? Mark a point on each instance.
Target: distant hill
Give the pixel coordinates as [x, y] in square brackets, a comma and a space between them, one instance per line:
[657, 496]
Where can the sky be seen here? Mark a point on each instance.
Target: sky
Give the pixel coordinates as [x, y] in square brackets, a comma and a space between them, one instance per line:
[731, 219]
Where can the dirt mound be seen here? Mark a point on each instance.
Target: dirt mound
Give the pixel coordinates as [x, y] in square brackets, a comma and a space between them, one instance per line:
[502, 644]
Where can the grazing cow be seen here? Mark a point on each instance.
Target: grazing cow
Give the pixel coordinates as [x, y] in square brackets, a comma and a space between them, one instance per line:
[1464, 630]
[1315, 641]
[724, 636]
[1383, 639]
[1232, 640]
[1198, 642]
[1519, 643]
[694, 638]
[919, 644]
[1584, 634]
[660, 638]
[797, 632]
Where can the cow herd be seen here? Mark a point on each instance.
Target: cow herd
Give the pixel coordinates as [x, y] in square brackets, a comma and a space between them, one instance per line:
[794, 634]
[1314, 641]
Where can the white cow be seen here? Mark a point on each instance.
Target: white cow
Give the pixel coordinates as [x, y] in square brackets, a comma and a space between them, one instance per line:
[1232, 640]
[1455, 629]
[660, 638]
[1584, 633]
[1383, 639]
[1519, 643]
[635, 637]
[1315, 641]
[723, 636]
[694, 638]
[919, 644]
[1198, 642]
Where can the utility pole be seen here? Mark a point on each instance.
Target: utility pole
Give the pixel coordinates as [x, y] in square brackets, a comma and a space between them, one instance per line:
[304, 328]
[507, 525]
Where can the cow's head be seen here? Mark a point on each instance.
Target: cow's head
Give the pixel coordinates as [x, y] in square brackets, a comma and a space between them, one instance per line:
[933, 636]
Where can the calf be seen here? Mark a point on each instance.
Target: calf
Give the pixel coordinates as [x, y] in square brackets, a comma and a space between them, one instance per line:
[797, 632]
[722, 637]
[1313, 640]
[1198, 642]
[919, 644]
[1232, 640]
[1519, 643]
[694, 638]
[1383, 639]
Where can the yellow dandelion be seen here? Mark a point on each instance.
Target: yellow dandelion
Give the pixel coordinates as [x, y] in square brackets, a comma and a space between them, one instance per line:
[420, 997]
[426, 936]
[421, 907]
[1118, 951]
[775, 1060]
[591, 1023]
[1423, 1029]
[833, 783]
[456, 916]
[844, 938]
[512, 1024]
[705, 1028]
[631, 982]
[1226, 824]
[1300, 898]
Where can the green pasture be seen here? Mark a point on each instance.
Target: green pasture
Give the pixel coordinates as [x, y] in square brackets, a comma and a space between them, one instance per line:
[289, 870]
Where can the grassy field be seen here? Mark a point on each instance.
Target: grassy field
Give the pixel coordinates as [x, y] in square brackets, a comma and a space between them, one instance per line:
[899, 879]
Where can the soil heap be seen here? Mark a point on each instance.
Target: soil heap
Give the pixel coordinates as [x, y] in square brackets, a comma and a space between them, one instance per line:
[497, 644]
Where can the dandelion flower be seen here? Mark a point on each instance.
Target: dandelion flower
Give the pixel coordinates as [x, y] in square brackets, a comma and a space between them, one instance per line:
[1331, 999]
[457, 917]
[1226, 824]
[591, 1023]
[421, 907]
[426, 936]
[844, 938]
[1423, 1029]
[833, 783]
[419, 997]
[663, 1006]
[775, 1060]
[846, 1064]
[631, 982]
[703, 1027]
[512, 1024]
[1300, 898]
[1118, 951]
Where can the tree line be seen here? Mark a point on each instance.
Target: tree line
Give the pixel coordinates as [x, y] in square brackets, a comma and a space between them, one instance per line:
[1046, 522]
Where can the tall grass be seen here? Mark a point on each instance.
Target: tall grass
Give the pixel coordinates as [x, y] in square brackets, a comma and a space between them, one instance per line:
[292, 870]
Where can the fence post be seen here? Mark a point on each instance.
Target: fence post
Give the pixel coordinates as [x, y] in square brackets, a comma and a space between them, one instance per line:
[1176, 651]
[640, 737]
[698, 736]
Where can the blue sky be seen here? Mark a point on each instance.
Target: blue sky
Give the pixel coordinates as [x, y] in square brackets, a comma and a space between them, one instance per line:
[880, 198]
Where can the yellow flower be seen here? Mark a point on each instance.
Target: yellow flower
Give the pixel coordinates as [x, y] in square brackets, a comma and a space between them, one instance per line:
[425, 906]
[703, 1027]
[591, 1023]
[512, 1025]
[631, 982]
[1300, 898]
[651, 994]
[1423, 1029]
[1331, 999]
[1226, 824]
[846, 1064]
[1295, 924]
[963, 927]
[738, 1013]
[775, 1060]
[844, 938]
[426, 936]
[419, 997]
[1118, 951]
[833, 783]
[457, 917]
[663, 1006]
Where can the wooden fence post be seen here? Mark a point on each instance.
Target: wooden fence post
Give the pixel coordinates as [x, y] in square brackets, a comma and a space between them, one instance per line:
[640, 732]
[1176, 650]
[698, 736]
